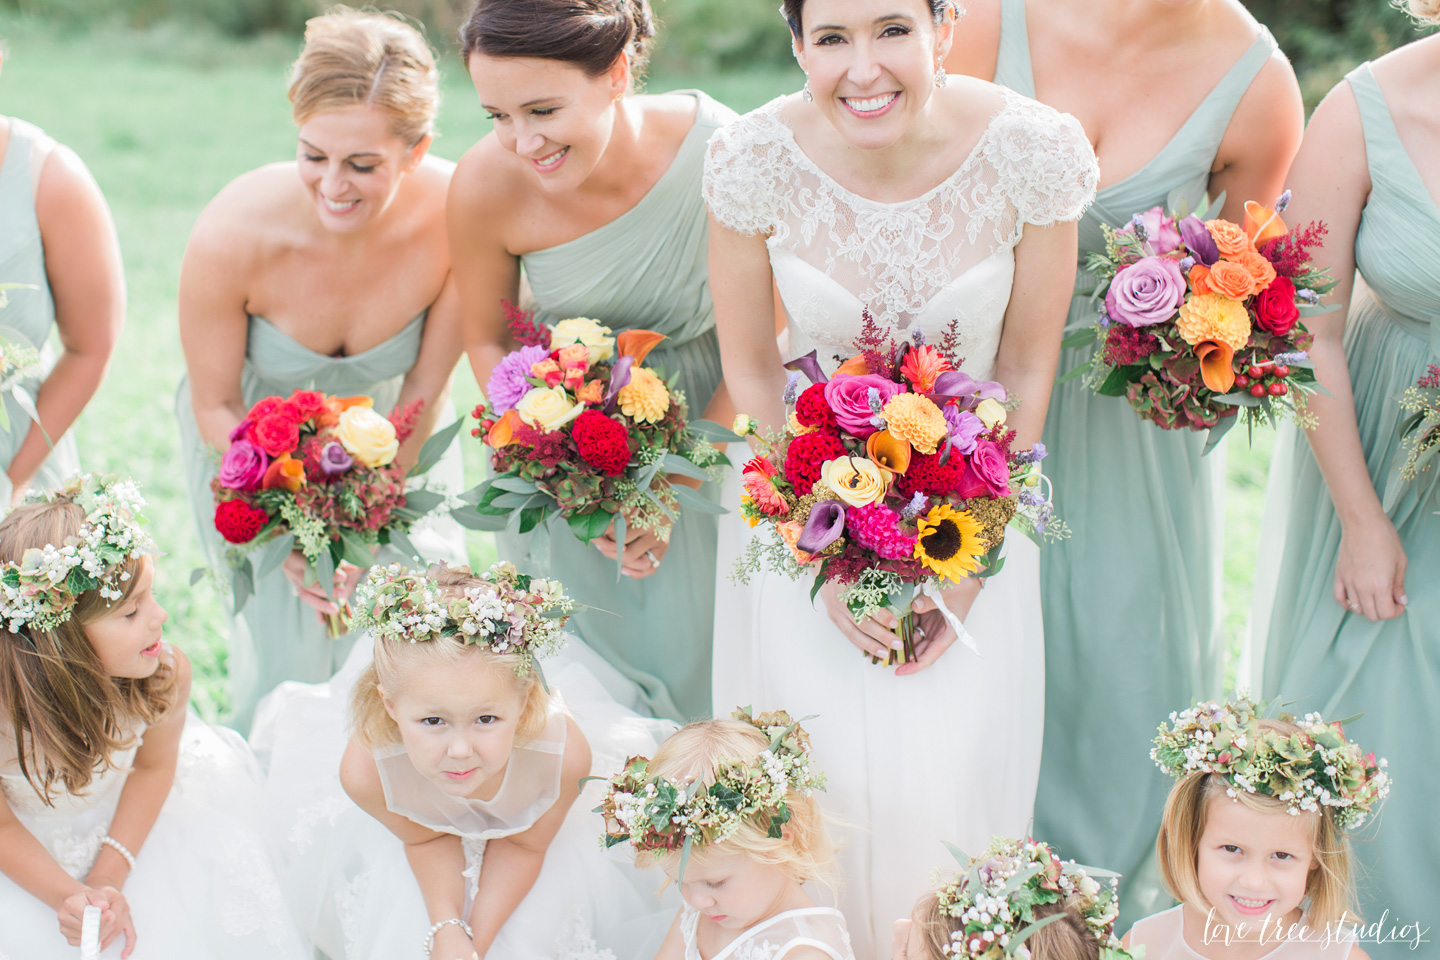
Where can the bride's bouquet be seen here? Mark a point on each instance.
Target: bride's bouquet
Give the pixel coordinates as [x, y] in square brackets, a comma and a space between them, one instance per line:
[1200, 318]
[894, 476]
[577, 425]
[316, 472]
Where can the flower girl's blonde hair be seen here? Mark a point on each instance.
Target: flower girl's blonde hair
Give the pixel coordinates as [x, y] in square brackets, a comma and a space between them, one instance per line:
[1068, 939]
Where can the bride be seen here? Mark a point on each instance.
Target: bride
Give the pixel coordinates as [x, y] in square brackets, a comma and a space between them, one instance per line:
[928, 200]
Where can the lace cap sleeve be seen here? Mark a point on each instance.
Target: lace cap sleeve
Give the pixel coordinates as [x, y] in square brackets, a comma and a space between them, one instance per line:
[1045, 158]
[743, 173]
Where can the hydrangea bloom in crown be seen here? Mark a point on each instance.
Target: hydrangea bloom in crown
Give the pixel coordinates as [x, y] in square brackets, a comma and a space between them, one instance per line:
[996, 894]
[1313, 768]
[665, 814]
[509, 612]
[40, 591]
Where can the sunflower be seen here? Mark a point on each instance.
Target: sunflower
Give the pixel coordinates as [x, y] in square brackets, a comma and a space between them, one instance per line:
[950, 542]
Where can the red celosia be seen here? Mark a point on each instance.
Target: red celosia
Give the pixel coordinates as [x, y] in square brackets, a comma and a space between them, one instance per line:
[1125, 344]
[602, 442]
[238, 521]
[549, 447]
[929, 476]
[806, 455]
[812, 410]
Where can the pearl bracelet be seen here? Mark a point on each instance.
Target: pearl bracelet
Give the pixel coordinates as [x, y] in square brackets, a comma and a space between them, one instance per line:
[119, 848]
[430, 937]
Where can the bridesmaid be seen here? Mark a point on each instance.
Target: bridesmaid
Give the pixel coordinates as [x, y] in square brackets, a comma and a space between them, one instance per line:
[595, 193]
[56, 235]
[1354, 608]
[1132, 601]
[331, 273]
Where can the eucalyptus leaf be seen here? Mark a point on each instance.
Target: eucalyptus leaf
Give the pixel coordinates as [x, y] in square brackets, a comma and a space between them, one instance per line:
[674, 463]
[1081, 337]
[514, 484]
[197, 575]
[960, 856]
[476, 493]
[664, 507]
[692, 499]
[434, 448]
[1217, 433]
[355, 549]
[325, 573]
[510, 501]
[1074, 373]
[242, 585]
[714, 432]
[401, 541]
[1116, 383]
[1018, 940]
[470, 519]
[620, 540]
[530, 518]
[421, 502]
[273, 554]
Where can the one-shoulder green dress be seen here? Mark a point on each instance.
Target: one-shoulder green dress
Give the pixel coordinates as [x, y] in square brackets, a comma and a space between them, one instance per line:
[29, 314]
[645, 269]
[1318, 654]
[277, 637]
[1133, 626]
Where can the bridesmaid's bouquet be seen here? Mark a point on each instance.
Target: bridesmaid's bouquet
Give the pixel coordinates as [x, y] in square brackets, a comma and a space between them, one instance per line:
[18, 361]
[578, 426]
[316, 472]
[1200, 318]
[894, 476]
[1420, 430]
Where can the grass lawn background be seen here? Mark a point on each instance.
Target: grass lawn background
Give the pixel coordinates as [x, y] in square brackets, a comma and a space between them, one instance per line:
[165, 118]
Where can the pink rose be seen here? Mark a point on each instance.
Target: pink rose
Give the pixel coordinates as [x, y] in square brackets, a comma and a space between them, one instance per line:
[849, 397]
[1161, 232]
[986, 472]
[243, 466]
[1149, 291]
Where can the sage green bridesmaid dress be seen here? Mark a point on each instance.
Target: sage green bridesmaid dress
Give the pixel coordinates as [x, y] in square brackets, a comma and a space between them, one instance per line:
[645, 269]
[276, 637]
[1133, 626]
[1318, 654]
[28, 314]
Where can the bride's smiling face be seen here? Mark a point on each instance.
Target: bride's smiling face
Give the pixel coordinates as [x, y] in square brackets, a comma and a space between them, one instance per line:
[871, 64]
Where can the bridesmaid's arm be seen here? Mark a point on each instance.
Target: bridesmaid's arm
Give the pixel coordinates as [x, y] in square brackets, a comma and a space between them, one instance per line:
[1261, 140]
[744, 292]
[1331, 183]
[86, 278]
[429, 380]
[486, 274]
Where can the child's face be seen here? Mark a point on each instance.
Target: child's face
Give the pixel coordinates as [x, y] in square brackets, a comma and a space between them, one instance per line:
[732, 890]
[127, 638]
[1253, 864]
[457, 720]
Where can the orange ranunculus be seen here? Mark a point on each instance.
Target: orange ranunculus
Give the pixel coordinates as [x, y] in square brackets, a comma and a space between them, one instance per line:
[1232, 279]
[889, 451]
[284, 471]
[334, 406]
[855, 366]
[1262, 223]
[592, 393]
[1217, 364]
[637, 344]
[1262, 270]
[1229, 239]
[503, 430]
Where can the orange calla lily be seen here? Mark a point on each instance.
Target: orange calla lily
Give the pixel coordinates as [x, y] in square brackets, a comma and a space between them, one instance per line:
[637, 344]
[1217, 364]
[503, 431]
[1262, 223]
[854, 367]
[889, 451]
[284, 471]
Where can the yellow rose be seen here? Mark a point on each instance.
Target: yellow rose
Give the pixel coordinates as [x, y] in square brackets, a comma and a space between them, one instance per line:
[855, 480]
[548, 408]
[593, 334]
[367, 436]
[991, 412]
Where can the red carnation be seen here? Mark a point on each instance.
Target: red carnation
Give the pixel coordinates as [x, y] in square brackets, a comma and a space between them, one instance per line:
[929, 476]
[812, 410]
[806, 455]
[1275, 310]
[238, 522]
[602, 442]
[275, 433]
[307, 403]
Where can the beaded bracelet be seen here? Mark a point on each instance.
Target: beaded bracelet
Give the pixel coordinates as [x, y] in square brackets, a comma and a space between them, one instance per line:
[119, 848]
[430, 937]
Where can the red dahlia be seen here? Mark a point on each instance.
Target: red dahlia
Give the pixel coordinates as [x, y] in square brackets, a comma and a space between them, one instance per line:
[602, 442]
[812, 410]
[238, 522]
[807, 453]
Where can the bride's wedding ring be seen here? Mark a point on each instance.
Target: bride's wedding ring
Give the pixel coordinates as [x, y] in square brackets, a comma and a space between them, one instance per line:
[1355, 606]
[654, 561]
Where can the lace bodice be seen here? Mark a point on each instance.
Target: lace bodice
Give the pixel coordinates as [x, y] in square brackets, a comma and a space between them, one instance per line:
[947, 255]
[820, 928]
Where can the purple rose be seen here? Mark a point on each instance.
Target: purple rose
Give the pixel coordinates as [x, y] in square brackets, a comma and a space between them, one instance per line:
[986, 472]
[964, 428]
[507, 382]
[243, 466]
[1160, 231]
[334, 459]
[1146, 292]
[849, 397]
[1198, 240]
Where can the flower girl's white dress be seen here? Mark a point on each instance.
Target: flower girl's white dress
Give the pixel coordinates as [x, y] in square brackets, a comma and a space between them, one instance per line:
[815, 928]
[346, 875]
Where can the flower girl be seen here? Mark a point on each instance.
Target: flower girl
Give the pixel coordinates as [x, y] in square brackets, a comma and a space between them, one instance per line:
[1017, 899]
[467, 767]
[725, 808]
[110, 795]
[1253, 838]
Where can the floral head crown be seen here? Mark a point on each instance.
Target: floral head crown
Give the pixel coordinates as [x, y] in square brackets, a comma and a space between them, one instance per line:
[996, 894]
[1313, 768]
[662, 813]
[41, 590]
[509, 612]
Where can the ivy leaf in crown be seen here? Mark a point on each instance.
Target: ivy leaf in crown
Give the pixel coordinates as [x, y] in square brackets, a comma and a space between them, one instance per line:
[995, 896]
[509, 612]
[1313, 768]
[41, 590]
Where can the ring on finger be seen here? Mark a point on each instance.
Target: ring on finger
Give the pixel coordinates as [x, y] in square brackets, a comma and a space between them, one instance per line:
[654, 560]
[1354, 606]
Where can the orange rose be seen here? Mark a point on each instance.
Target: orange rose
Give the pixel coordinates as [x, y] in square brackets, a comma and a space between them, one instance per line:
[1200, 280]
[1229, 238]
[1231, 279]
[1259, 268]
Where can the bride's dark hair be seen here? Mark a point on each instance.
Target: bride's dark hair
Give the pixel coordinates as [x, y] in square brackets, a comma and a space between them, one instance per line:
[591, 34]
[791, 11]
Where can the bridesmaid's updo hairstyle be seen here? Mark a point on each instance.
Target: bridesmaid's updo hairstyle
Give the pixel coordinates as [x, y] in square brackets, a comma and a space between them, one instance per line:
[590, 34]
[790, 9]
[1426, 11]
[354, 58]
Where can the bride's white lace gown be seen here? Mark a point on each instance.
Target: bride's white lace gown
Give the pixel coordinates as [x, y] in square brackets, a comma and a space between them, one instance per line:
[951, 753]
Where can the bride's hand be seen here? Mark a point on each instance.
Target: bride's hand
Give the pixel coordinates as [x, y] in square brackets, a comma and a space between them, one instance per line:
[452, 944]
[347, 575]
[643, 550]
[939, 636]
[874, 637]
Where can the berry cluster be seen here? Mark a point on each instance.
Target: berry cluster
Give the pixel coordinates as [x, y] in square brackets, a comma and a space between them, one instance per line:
[1267, 377]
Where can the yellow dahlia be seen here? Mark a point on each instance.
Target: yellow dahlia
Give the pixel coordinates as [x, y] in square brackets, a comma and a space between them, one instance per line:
[916, 420]
[1213, 317]
[645, 398]
[950, 542]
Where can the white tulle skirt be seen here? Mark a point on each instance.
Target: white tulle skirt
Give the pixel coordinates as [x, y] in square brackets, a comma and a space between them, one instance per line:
[346, 876]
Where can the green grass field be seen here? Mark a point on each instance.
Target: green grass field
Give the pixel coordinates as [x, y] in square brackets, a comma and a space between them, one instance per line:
[165, 118]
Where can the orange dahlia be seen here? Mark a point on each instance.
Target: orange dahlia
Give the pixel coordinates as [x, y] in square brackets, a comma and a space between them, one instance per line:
[916, 420]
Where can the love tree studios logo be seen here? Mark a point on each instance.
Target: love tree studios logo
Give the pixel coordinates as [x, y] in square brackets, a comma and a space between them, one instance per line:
[1344, 930]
